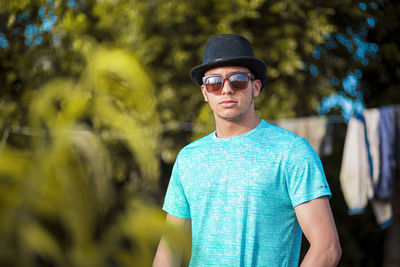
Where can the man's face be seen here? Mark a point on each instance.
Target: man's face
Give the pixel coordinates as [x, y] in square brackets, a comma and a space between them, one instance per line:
[229, 104]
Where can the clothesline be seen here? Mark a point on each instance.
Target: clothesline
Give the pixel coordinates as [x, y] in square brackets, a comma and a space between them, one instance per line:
[169, 126]
[360, 160]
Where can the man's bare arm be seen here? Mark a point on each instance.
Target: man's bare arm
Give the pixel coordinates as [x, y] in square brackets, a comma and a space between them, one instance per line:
[169, 254]
[316, 220]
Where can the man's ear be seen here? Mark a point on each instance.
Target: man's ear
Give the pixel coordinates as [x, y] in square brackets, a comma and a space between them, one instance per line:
[204, 92]
[257, 87]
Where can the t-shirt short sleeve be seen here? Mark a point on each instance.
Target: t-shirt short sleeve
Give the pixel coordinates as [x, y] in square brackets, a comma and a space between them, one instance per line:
[175, 202]
[305, 175]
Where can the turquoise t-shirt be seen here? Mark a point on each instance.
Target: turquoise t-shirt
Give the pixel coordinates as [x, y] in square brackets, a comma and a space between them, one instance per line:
[240, 194]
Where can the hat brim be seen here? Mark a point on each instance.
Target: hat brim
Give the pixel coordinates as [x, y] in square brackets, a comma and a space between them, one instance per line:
[256, 66]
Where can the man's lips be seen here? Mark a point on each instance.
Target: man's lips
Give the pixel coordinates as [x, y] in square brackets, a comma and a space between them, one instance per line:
[227, 103]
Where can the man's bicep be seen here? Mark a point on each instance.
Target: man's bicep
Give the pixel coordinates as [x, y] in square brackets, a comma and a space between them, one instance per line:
[316, 220]
[182, 223]
[182, 230]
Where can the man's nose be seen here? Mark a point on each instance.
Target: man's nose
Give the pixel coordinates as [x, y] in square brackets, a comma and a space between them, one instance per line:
[226, 88]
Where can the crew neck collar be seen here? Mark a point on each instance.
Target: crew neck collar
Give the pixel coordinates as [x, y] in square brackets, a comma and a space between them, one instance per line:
[259, 125]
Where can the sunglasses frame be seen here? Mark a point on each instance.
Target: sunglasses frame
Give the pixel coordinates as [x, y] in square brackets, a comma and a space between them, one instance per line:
[250, 76]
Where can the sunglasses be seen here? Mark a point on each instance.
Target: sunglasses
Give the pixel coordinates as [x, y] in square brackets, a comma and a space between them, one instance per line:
[237, 81]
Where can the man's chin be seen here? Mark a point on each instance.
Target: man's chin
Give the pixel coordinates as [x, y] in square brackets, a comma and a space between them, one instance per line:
[231, 117]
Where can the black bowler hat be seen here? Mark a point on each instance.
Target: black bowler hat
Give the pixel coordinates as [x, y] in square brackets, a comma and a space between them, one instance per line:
[229, 50]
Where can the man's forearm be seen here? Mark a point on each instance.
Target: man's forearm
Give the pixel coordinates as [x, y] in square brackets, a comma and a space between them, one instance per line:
[329, 256]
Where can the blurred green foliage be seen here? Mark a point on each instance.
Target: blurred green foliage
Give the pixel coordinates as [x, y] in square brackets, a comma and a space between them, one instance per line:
[72, 180]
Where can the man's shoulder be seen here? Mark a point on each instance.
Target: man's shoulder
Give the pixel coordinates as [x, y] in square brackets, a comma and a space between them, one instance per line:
[278, 140]
[272, 133]
[197, 145]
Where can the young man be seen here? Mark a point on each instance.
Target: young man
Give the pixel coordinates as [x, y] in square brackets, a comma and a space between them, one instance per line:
[248, 190]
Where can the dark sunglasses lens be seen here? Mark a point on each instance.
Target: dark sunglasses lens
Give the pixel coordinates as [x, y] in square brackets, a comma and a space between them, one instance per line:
[213, 84]
[238, 81]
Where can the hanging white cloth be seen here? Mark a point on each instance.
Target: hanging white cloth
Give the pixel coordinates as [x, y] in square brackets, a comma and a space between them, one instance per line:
[355, 175]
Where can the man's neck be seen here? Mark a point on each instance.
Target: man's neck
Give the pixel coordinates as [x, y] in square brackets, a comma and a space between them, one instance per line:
[226, 129]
